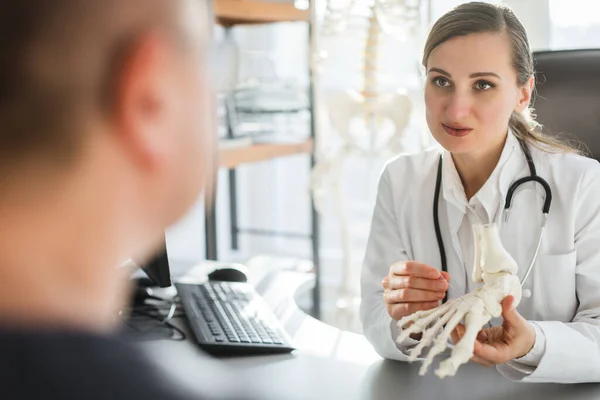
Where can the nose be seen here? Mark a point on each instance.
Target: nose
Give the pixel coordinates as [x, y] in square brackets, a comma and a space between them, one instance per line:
[459, 106]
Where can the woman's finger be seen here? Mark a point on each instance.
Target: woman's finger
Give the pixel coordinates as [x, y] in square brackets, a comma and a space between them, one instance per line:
[411, 296]
[482, 336]
[386, 282]
[410, 268]
[446, 276]
[482, 361]
[400, 310]
[416, 282]
[457, 333]
[488, 352]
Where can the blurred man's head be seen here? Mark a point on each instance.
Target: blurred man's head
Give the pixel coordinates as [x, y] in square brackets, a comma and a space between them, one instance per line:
[105, 124]
[123, 75]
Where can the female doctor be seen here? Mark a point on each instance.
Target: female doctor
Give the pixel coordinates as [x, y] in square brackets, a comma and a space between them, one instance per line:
[479, 83]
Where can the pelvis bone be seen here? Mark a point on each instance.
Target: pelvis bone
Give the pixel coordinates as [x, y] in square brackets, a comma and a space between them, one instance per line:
[498, 271]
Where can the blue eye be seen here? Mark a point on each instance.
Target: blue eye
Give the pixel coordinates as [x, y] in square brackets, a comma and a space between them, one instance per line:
[483, 85]
[440, 81]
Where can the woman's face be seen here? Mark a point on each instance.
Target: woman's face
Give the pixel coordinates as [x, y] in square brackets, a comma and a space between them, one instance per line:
[471, 91]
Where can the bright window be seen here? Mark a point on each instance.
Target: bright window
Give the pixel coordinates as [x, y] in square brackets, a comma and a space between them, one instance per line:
[574, 24]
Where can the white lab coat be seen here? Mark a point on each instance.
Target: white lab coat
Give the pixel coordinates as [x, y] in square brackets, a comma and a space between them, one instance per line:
[565, 282]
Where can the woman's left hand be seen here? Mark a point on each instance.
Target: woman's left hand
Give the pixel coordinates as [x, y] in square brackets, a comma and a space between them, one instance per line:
[500, 344]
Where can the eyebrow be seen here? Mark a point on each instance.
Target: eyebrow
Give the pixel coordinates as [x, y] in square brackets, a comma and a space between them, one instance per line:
[473, 75]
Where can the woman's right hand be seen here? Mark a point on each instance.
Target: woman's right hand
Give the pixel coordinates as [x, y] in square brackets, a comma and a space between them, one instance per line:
[412, 286]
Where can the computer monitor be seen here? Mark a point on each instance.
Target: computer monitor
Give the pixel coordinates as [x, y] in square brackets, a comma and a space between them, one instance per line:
[157, 268]
[140, 317]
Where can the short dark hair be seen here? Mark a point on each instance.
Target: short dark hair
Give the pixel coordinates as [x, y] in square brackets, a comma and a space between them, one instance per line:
[58, 60]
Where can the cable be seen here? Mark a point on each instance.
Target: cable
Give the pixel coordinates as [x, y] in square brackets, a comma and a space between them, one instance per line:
[167, 323]
[163, 313]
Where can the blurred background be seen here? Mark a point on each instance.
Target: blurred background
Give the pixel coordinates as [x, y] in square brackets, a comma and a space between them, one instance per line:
[304, 198]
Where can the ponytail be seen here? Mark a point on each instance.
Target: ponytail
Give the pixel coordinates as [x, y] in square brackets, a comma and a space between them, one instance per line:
[526, 129]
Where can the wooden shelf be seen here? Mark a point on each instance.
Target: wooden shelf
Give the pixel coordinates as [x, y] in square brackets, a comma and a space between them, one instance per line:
[232, 157]
[235, 12]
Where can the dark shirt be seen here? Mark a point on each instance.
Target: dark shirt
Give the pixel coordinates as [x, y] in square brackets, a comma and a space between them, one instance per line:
[71, 365]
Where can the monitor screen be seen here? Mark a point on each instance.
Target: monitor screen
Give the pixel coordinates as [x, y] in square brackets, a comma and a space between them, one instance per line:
[157, 268]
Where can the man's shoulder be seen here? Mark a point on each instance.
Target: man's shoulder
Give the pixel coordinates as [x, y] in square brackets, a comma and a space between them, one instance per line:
[57, 365]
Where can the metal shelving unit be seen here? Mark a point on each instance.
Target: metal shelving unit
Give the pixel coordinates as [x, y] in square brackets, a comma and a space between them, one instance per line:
[230, 13]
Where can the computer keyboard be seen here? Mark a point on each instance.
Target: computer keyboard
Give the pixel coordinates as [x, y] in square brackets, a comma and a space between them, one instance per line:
[230, 318]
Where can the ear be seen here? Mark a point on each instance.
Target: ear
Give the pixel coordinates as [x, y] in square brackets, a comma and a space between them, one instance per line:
[141, 97]
[525, 94]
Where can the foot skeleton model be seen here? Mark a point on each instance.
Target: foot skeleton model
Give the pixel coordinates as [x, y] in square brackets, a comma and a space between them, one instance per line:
[498, 271]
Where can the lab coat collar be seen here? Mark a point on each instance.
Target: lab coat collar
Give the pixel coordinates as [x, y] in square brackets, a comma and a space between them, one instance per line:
[492, 193]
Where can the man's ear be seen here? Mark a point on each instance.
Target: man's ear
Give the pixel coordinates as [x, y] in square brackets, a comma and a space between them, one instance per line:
[140, 99]
[525, 93]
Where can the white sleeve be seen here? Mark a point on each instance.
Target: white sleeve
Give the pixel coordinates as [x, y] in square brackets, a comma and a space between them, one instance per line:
[384, 248]
[572, 350]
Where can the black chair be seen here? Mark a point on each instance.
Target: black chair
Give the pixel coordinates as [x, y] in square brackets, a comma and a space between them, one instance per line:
[567, 101]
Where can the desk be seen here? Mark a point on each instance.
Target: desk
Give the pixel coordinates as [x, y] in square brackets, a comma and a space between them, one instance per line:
[335, 364]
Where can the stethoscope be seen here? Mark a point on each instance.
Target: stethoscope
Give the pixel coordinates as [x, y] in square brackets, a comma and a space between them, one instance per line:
[533, 177]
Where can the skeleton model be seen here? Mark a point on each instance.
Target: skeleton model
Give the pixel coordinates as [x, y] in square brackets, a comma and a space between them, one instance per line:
[498, 271]
[374, 103]
[361, 118]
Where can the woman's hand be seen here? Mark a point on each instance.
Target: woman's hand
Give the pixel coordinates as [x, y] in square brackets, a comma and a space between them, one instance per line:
[411, 286]
[500, 344]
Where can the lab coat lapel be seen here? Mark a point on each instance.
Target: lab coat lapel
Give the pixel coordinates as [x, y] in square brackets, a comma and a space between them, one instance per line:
[455, 217]
[453, 193]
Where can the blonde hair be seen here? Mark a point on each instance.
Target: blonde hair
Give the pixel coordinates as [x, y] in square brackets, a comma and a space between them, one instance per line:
[479, 17]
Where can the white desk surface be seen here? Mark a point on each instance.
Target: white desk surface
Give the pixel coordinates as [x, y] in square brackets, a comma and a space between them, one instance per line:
[334, 364]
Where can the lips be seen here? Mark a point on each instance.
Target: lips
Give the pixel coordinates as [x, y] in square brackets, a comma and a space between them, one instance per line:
[456, 130]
